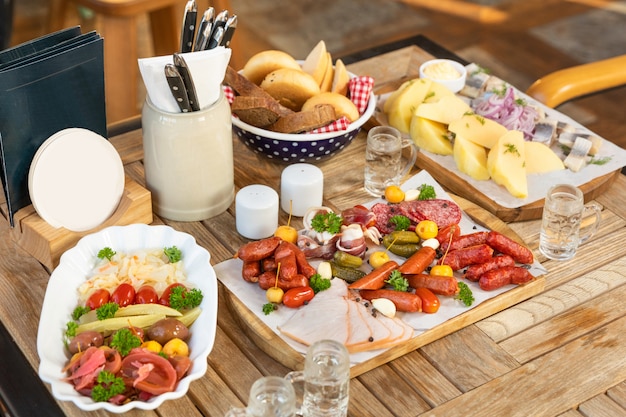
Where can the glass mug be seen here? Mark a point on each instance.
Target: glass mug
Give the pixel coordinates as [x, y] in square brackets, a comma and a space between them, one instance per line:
[326, 379]
[383, 158]
[270, 396]
[566, 222]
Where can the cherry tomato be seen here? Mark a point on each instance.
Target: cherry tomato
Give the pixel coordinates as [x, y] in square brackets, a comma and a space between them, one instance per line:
[430, 301]
[123, 295]
[146, 294]
[148, 372]
[448, 233]
[165, 297]
[426, 229]
[442, 270]
[298, 296]
[98, 298]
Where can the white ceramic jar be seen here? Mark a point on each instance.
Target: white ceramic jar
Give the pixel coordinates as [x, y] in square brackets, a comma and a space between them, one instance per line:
[188, 160]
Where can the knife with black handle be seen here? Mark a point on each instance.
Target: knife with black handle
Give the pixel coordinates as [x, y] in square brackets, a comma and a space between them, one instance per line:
[204, 30]
[229, 30]
[177, 87]
[183, 70]
[189, 26]
[218, 29]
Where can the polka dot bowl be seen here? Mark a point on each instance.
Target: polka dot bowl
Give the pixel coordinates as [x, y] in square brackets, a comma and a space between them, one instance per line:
[305, 147]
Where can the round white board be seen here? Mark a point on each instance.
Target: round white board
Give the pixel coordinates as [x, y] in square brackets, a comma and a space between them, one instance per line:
[76, 180]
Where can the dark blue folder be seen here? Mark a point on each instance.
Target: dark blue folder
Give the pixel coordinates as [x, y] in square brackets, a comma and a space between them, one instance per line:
[46, 85]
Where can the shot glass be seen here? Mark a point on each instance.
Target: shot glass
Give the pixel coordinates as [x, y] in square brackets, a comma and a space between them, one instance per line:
[270, 396]
[383, 158]
[326, 379]
[566, 222]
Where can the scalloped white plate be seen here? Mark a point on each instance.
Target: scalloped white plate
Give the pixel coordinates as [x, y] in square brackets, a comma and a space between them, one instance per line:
[61, 299]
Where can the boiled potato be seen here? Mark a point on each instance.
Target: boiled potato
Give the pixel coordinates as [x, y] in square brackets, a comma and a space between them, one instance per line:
[480, 130]
[506, 163]
[470, 158]
[430, 136]
[446, 110]
[404, 105]
[436, 92]
[540, 158]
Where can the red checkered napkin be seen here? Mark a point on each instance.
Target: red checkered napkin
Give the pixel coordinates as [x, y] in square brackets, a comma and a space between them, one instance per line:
[359, 89]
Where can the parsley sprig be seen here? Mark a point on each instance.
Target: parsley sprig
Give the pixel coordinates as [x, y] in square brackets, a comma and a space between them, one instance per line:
[106, 253]
[427, 192]
[465, 294]
[107, 311]
[107, 387]
[173, 254]
[327, 222]
[182, 298]
[401, 222]
[124, 340]
[318, 283]
[397, 281]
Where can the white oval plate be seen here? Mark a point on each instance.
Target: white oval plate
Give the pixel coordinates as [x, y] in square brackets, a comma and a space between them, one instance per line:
[76, 180]
[61, 299]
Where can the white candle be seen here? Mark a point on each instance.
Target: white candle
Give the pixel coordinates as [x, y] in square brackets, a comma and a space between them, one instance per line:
[256, 211]
[302, 187]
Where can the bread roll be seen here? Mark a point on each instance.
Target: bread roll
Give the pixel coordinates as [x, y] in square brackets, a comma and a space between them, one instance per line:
[342, 105]
[290, 87]
[261, 64]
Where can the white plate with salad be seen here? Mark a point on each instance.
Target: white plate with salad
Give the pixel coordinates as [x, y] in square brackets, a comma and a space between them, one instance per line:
[62, 297]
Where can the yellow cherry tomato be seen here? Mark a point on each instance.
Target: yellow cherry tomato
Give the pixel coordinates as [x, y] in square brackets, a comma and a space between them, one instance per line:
[176, 347]
[426, 229]
[378, 258]
[274, 295]
[152, 346]
[442, 270]
[394, 194]
[287, 233]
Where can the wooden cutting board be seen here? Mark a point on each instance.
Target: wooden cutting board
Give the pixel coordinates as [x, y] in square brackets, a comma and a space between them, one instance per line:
[270, 343]
[390, 70]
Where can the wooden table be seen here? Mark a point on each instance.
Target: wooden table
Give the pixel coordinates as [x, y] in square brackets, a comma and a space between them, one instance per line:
[561, 352]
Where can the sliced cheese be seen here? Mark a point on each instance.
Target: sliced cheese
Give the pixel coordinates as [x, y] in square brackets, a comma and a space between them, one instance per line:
[506, 163]
[541, 159]
[480, 130]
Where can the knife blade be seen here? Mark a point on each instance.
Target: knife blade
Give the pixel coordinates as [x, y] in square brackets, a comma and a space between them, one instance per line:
[218, 29]
[177, 87]
[183, 70]
[204, 29]
[189, 26]
[229, 30]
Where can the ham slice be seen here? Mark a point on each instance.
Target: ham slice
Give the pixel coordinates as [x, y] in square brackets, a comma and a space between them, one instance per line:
[334, 314]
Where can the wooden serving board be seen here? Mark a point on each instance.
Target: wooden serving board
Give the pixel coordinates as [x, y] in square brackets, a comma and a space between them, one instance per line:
[390, 70]
[271, 343]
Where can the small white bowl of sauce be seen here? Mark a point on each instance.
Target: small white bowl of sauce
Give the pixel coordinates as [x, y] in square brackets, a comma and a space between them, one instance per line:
[450, 73]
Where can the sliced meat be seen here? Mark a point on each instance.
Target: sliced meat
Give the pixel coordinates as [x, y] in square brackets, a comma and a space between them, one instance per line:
[384, 212]
[443, 212]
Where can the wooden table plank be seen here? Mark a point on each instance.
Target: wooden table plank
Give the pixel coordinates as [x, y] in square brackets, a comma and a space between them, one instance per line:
[551, 303]
[601, 406]
[552, 383]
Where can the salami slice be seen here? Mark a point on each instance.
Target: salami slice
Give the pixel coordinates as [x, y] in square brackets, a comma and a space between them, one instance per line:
[384, 212]
[443, 212]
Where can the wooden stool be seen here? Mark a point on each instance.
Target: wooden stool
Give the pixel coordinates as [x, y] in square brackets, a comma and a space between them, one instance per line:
[119, 30]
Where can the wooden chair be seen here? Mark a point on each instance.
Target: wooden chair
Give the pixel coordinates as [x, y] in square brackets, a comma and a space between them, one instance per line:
[569, 83]
[119, 30]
